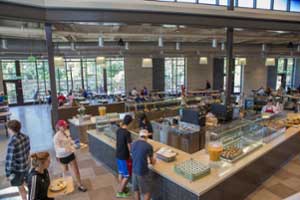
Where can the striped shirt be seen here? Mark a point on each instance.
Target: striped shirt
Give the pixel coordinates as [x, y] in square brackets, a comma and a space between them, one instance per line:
[38, 185]
[17, 157]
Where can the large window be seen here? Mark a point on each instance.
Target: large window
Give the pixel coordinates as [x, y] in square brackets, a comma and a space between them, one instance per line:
[295, 6]
[29, 80]
[263, 4]
[115, 75]
[174, 74]
[280, 5]
[285, 72]
[8, 69]
[245, 3]
[238, 76]
[74, 74]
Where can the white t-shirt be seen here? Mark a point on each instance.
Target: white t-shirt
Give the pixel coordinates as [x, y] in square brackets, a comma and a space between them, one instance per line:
[63, 144]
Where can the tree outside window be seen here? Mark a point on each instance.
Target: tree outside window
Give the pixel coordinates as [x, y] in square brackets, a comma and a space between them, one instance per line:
[115, 75]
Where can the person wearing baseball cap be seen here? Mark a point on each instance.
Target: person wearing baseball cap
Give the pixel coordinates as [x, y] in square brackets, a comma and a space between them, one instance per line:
[142, 152]
[64, 149]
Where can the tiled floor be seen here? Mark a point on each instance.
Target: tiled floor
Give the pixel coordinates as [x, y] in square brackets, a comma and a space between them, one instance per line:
[102, 184]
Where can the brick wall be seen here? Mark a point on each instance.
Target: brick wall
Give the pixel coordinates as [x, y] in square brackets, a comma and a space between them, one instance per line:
[135, 75]
[255, 74]
[198, 74]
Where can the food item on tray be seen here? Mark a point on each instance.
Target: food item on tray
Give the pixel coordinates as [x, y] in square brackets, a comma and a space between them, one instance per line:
[166, 154]
[274, 124]
[231, 153]
[58, 185]
[293, 119]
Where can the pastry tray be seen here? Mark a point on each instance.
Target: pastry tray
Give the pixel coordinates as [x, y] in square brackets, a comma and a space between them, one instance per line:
[246, 150]
[192, 169]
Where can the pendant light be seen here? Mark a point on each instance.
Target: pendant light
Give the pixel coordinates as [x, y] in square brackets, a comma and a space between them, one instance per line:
[127, 45]
[4, 44]
[160, 42]
[100, 41]
[177, 46]
[214, 43]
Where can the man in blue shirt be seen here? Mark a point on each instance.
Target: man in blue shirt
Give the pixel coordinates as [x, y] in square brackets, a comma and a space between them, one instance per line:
[142, 151]
[17, 157]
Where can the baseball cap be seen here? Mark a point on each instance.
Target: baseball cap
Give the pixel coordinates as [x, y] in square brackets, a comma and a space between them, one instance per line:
[62, 123]
[144, 132]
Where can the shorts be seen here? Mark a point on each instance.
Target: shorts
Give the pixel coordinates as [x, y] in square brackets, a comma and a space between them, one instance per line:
[68, 159]
[124, 167]
[19, 179]
[142, 184]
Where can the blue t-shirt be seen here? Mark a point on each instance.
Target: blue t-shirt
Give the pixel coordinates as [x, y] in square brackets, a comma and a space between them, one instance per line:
[141, 151]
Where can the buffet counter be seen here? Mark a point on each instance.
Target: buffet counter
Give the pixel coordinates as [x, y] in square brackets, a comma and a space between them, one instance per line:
[225, 181]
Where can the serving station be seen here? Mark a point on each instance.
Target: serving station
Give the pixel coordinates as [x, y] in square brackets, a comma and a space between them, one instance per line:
[241, 154]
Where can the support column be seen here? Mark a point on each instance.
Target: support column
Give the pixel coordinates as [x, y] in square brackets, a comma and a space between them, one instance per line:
[229, 64]
[48, 31]
[105, 79]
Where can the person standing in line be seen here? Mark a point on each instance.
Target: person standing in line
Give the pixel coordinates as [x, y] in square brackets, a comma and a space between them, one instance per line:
[17, 162]
[64, 148]
[39, 179]
[142, 152]
[123, 157]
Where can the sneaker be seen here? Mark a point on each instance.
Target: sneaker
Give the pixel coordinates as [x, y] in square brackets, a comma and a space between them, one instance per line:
[122, 195]
[126, 190]
[82, 189]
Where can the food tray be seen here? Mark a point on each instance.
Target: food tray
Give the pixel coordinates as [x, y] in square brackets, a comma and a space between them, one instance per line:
[235, 152]
[246, 150]
[58, 185]
[192, 169]
[166, 154]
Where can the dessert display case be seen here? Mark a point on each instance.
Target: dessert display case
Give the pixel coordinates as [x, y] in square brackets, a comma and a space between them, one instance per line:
[239, 139]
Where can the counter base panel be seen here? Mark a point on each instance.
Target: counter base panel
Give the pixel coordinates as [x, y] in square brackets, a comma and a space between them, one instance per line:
[246, 181]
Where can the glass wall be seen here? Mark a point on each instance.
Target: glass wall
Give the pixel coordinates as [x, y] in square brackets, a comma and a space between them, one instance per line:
[285, 72]
[8, 69]
[174, 74]
[280, 5]
[115, 75]
[29, 80]
[238, 76]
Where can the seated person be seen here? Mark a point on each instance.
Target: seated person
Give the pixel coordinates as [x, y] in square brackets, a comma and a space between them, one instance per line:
[61, 99]
[144, 91]
[134, 92]
[268, 91]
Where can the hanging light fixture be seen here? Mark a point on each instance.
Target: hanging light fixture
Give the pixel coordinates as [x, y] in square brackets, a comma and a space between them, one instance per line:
[147, 63]
[160, 42]
[177, 46]
[100, 41]
[298, 48]
[203, 61]
[270, 62]
[127, 45]
[100, 60]
[72, 46]
[214, 43]
[4, 44]
[59, 61]
[263, 47]
[223, 46]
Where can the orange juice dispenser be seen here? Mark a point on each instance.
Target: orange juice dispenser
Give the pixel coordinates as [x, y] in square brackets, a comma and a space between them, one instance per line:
[102, 110]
